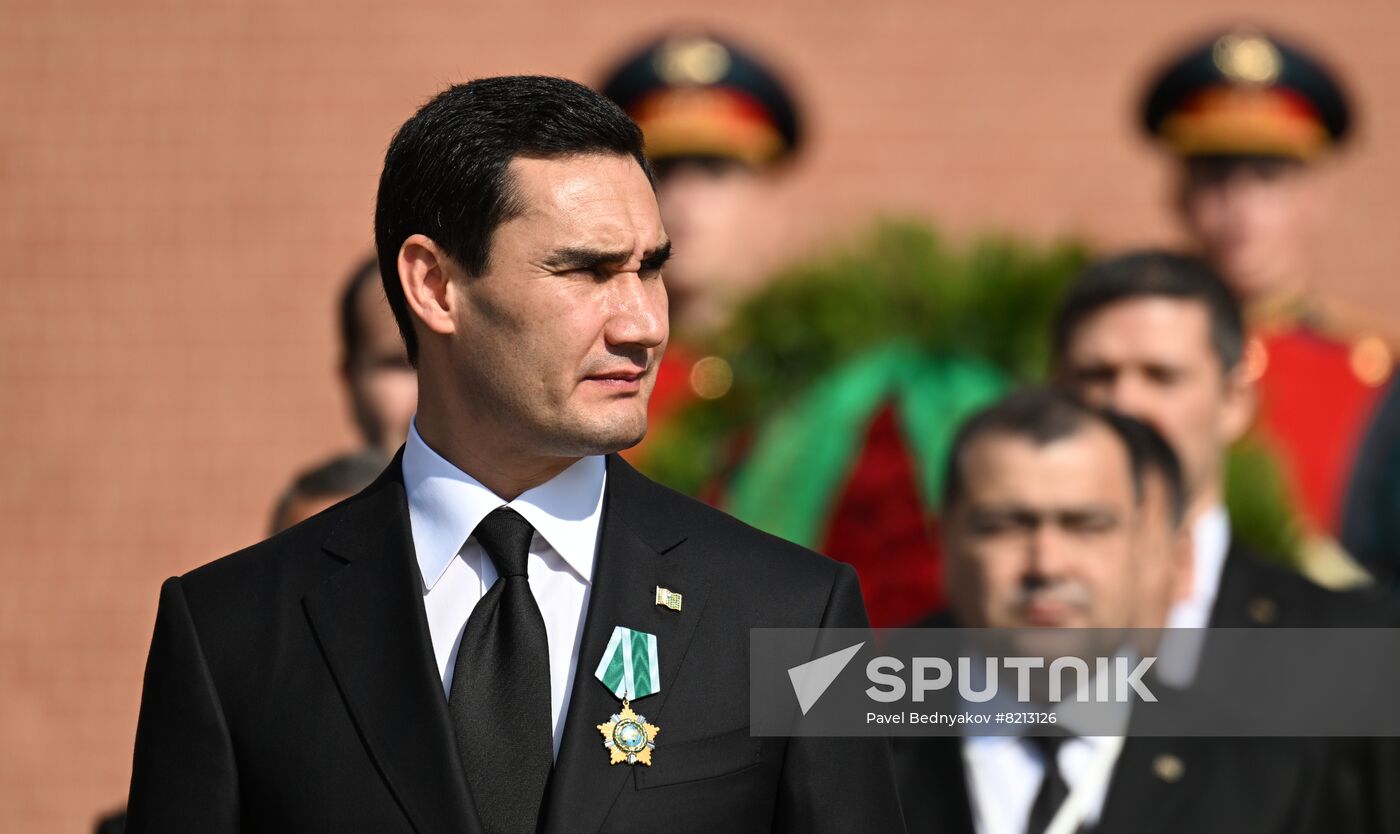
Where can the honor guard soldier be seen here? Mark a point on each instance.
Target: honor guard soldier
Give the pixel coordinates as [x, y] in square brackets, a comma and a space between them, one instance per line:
[1253, 122]
[719, 127]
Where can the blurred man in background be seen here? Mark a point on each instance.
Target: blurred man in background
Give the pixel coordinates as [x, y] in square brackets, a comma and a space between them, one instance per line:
[325, 484]
[1163, 548]
[379, 380]
[1060, 516]
[1159, 336]
[1253, 123]
[720, 129]
[382, 390]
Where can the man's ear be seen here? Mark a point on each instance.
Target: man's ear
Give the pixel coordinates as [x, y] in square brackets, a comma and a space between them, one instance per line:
[425, 275]
[1241, 403]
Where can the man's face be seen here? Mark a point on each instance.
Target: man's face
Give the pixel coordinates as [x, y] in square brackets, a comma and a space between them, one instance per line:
[1152, 358]
[1043, 535]
[721, 218]
[556, 345]
[383, 385]
[1253, 219]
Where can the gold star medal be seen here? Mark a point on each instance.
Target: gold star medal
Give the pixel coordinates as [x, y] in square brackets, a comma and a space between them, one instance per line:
[629, 670]
[629, 737]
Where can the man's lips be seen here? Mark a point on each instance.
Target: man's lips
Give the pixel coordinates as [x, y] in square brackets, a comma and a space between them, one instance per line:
[618, 380]
[1044, 612]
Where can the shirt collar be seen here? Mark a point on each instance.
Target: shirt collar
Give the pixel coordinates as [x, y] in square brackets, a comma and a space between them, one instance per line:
[1210, 542]
[980, 746]
[446, 504]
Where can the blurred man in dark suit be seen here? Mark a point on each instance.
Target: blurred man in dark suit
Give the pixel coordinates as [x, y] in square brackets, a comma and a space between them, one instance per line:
[1059, 516]
[1160, 337]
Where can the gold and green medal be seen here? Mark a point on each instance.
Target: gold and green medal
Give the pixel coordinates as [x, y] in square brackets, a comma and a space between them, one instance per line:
[629, 670]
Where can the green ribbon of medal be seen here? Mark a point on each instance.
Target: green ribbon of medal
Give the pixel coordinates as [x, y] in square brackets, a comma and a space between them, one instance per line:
[630, 669]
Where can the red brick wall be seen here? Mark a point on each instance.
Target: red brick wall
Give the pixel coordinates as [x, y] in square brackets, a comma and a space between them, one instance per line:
[182, 186]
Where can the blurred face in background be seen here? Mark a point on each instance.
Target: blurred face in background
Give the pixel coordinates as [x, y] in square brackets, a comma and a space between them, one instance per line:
[1152, 358]
[723, 220]
[1043, 535]
[301, 506]
[1255, 220]
[383, 386]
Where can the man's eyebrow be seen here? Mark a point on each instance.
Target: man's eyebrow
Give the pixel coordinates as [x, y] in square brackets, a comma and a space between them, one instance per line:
[582, 257]
[578, 257]
[1088, 512]
[654, 258]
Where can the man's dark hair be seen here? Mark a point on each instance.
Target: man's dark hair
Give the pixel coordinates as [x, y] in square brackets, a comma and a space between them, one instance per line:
[341, 475]
[446, 174]
[1040, 415]
[352, 329]
[1154, 455]
[1154, 274]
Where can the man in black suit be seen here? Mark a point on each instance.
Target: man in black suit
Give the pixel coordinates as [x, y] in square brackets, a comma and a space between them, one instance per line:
[422, 656]
[1059, 516]
[1160, 337]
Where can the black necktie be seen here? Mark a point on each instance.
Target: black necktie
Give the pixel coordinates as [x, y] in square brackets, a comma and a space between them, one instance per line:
[1053, 788]
[500, 687]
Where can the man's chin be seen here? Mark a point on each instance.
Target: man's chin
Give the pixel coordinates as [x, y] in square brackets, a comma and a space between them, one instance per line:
[605, 437]
[622, 444]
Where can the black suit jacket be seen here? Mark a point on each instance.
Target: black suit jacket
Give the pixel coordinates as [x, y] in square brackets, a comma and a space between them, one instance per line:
[1159, 786]
[1254, 593]
[292, 687]
[1363, 791]
[1298, 786]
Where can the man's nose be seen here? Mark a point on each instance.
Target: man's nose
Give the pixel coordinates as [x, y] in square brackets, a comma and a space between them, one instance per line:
[639, 312]
[1127, 394]
[1047, 554]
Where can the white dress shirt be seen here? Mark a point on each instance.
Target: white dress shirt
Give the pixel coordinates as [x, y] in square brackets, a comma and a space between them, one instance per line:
[1210, 539]
[1004, 775]
[1179, 651]
[444, 506]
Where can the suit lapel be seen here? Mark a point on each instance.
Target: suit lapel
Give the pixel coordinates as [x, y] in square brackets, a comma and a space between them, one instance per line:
[1231, 598]
[640, 547]
[368, 618]
[1250, 595]
[1148, 786]
[933, 786]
